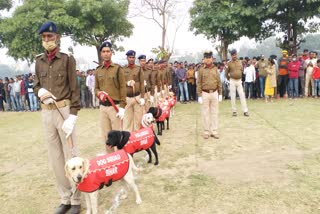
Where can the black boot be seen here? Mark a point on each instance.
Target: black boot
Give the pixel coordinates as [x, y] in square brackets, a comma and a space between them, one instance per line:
[75, 209]
[62, 209]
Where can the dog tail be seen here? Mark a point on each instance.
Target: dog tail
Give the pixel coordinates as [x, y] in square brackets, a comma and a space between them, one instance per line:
[134, 167]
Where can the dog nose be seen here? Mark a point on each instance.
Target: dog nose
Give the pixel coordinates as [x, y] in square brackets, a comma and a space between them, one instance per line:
[79, 177]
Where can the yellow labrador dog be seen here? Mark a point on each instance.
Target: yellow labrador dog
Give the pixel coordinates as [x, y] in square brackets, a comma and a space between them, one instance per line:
[91, 175]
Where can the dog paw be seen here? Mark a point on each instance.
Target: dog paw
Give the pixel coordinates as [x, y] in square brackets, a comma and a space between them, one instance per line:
[138, 201]
[156, 163]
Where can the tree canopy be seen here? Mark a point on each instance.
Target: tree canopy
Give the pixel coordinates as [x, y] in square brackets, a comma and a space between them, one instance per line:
[5, 4]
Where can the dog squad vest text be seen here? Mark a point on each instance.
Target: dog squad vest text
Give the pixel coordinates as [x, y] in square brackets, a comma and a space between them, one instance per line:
[104, 168]
[139, 140]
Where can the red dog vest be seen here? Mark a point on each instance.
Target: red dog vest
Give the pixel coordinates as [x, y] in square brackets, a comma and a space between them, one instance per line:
[112, 166]
[139, 140]
[165, 112]
[172, 101]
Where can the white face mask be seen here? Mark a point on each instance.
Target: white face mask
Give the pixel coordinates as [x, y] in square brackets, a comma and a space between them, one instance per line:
[49, 46]
[294, 59]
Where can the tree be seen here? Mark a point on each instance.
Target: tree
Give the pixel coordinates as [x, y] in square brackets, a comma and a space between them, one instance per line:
[5, 4]
[161, 12]
[19, 33]
[97, 21]
[294, 18]
[225, 21]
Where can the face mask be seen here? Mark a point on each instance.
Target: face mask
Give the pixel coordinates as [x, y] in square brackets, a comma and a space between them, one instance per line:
[49, 46]
[294, 59]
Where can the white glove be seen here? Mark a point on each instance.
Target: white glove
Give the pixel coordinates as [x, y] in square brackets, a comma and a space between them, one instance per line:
[46, 96]
[169, 86]
[68, 124]
[131, 83]
[200, 100]
[120, 113]
[142, 101]
[220, 98]
[145, 83]
[162, 91]
[158, 94]
[151, 99]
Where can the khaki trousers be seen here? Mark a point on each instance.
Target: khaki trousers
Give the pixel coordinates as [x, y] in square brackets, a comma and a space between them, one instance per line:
[108, 121]
[59, 152]
[236, 85]
[133, 114]
[210, 110]
[148, 104]
[308, 80]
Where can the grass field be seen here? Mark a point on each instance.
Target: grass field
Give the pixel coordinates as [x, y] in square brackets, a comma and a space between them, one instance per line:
[267, 163]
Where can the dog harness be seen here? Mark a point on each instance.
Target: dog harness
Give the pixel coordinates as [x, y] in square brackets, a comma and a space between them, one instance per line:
[103, 170]
[140, 140]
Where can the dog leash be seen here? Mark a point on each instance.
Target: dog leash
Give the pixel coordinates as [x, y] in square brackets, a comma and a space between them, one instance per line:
[69, 139]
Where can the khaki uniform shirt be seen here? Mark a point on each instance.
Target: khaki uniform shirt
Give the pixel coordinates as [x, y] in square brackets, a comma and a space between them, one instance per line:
[208, 79]
[160, 79]
[191, 76]
[262, 65]
[112, 81]
[150, 80]
[59, 77]
[234, 69]
[135, 74]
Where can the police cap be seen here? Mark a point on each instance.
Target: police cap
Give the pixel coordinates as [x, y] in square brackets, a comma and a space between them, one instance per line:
[48, 27]
[149, 60]
[207, 54]
[105, 44]
[142, 57]
[233, 51]
[131, 53]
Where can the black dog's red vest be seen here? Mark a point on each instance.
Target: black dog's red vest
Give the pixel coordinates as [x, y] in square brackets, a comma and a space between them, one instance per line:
[165, 112]
[103, 169]
[139, 140]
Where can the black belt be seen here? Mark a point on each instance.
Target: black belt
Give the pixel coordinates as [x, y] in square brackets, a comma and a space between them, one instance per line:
[133, 95]
[209, 91]
[107, 103]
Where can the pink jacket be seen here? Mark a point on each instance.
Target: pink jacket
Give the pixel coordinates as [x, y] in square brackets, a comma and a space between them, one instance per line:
[293, 68]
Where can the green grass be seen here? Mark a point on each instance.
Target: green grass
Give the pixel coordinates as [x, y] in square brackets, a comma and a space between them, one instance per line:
[267, 163]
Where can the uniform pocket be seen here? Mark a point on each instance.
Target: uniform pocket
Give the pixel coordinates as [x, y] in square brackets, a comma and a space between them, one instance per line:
[60, 78]
[101, 80]
[43, 77]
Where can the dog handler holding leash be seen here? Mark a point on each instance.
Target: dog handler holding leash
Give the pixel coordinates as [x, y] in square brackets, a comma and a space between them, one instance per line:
[56, 86]
[209, 89]
[110, 88]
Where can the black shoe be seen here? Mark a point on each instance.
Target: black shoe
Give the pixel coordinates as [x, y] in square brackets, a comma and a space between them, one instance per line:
[62, 209]
[75, 209]
[246, 114]
[216, 136]
[234, 114]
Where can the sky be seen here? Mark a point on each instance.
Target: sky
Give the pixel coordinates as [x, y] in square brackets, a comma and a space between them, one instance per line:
[146, 35]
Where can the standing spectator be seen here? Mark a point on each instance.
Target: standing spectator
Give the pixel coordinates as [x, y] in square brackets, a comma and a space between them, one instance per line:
[271, 81]
[59, 94]
[8, 99]
[234, 74]
[191, 83]
[2, 95]
[134, 78]
[302, 74]
[183, 87]
[90, 85]
[17, 93]
[309, 64]
[283, 76]
[88, 91]
[305, 54]
[224, 82]
[23, 93]
[293, 68]
[256, 86]
[262, 64]
[110, 81]
[209, 90]
[32, 97]
[12, 95]
[250, 73]
[83, 87]
[316, 79]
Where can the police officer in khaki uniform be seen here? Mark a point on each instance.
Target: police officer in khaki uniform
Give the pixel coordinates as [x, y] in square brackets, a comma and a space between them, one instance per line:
[135, 93]
[56, 85]
[110, 82]
[160, 79]
[149, 82]
[167, 79]
[209, 90]
[234, 74]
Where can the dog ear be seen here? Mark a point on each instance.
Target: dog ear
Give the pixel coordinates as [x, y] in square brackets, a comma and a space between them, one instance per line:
[124, 139]
[66, 169]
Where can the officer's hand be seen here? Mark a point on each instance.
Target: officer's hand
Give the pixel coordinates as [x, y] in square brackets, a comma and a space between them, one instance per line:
[46, 96]
[69, 124]
[142, 101]
[200, 101]
[158, 94]
[145, 83]
[102, 95]
[151, 99]
[162, 91]
[169, 87]
[120, 113]
[220, 97]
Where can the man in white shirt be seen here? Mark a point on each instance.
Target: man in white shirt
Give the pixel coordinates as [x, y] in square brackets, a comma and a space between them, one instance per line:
[250, 73]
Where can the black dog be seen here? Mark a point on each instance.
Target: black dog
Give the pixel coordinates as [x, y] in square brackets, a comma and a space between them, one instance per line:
[143, 139]
[160, 116]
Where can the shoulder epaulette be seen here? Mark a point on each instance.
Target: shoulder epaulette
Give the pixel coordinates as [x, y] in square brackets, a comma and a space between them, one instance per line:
[39, 55]
[99, 66]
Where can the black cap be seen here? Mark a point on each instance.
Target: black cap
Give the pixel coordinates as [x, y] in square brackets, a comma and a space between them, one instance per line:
[233, 51]
[48, 27]
[131, 53]
[105, 44]
[142, 57]
[207, 54]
